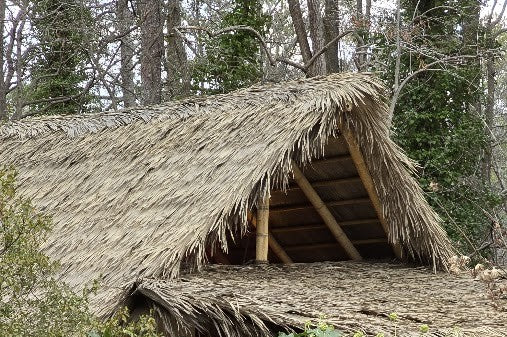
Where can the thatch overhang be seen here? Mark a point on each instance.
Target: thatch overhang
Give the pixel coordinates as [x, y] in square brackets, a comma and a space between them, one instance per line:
[138, 193]
[261, 300]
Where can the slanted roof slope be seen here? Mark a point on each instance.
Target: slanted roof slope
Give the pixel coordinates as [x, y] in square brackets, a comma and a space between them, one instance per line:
[133, 194]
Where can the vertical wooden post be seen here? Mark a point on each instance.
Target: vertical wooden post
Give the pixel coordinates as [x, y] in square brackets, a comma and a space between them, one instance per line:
[262, 244]
[273, 244]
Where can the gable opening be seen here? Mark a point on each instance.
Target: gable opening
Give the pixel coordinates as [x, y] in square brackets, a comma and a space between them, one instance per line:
[298, 229]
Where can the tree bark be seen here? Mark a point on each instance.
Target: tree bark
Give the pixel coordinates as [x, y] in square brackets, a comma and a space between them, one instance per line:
[3, 89]
[178, 74]
[489, 115]
[125, 18]
[152, 43]
[332, 29]
[299, 28]
[317, 36]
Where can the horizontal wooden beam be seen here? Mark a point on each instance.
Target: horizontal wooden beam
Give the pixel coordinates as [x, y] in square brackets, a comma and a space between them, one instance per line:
[325, 213]
[338, 158]
[334, 245]
[344, 202]
[290, 229]
[324, 183]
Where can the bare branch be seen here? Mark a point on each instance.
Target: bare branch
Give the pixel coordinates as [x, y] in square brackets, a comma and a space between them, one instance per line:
[272, 60]
[427, 67]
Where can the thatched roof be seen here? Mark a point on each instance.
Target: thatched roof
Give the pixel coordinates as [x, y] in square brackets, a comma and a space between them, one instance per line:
[352, 296]
[134, 194]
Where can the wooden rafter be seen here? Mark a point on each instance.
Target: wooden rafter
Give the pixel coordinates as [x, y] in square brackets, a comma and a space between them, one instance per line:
[325, 213]
[272, 242]
[324, 183]
[343, 202]
[364, 173]
[334, 244]
[289, 229]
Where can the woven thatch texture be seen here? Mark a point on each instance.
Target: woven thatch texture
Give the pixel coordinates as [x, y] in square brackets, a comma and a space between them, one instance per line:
[353, 296]
[133, 193]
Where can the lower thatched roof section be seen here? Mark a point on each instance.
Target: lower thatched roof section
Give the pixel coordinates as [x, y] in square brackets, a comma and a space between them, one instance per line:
[353, 296]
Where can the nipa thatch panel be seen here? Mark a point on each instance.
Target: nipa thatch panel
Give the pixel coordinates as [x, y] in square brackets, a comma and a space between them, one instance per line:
[353, 296]
[134, 193]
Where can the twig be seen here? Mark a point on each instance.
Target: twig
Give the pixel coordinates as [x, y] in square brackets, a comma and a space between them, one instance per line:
[272, 60]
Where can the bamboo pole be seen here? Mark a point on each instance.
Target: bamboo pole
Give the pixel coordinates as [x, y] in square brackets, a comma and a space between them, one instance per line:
[364, 173]
[262, 239]
[324, 212]
[273, 244]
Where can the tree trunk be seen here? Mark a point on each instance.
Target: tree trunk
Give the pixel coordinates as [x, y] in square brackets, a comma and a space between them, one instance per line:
[317, 35]
[331, 30]
[178, 74]
[367, 10]
[152, 43]
[362, 23]
[489, 114]
[3, 89]
[299, 28]
[125, 18]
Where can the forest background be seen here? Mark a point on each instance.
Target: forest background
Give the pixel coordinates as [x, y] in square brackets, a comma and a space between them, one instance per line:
[443, 62]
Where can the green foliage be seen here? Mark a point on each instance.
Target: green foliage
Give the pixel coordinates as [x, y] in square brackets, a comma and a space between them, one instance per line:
[437, 119]
[121, 326]
[435, 125]
[312, 329]
[323, 329]
[58, 70]
[33, 302]
[233, 59]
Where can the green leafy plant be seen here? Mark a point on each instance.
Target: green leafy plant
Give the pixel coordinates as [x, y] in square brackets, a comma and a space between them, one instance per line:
[315, 329]
[232, 60]
[323, 329]
[33, 301]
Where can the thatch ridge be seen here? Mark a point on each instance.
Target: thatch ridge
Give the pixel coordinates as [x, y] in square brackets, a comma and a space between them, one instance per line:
[353, 296]
[134, 194]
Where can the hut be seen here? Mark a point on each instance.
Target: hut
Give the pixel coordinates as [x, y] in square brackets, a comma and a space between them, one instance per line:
[302, 175]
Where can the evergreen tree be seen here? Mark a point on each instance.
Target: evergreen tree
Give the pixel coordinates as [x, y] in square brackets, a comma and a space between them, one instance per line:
[232, 60]
[58, 74]
[438, 121]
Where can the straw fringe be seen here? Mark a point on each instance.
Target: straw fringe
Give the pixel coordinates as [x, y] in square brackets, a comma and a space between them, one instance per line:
[353, 296]
[137, 193]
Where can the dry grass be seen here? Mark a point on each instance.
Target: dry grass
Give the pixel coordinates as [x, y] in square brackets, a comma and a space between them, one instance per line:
[136, 193]
[353, 296]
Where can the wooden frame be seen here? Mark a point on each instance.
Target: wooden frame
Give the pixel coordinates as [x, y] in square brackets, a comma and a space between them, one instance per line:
[364, 173]
[325, 213]
[343, 202]
[262, 238]
[273, 243]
